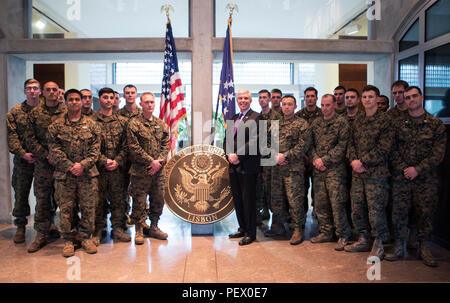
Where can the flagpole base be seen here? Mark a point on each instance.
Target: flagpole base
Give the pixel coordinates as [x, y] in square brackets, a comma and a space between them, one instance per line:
[202, 229]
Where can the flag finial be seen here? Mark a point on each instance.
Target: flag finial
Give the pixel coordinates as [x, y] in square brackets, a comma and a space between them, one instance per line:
[232, 7]
[167, 8]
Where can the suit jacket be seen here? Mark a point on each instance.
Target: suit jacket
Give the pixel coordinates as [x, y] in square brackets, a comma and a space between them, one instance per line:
[248, 153]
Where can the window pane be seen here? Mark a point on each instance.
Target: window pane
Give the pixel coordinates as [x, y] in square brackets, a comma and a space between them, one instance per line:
[107, 19]
[411, 38]
[409, 70]
[437, 81]
[438, 19]
[319, 19]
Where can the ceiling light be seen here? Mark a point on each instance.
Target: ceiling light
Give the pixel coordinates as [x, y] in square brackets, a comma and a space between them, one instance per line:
[39, 24]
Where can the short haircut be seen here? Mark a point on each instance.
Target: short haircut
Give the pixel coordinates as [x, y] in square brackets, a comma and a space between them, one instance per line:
[85, 90]
[129, 86]
[353, 90]
[340, 87]
[289, 96]
[385, 97]
[400, 83]
[310, 89]
[72, 91]
[330, 95]
[147, 94]
[413, 87]
[371, 88]
[116, 92]
[264, 91]
[50, 82]
[31, 81]
[276, 90]
[105, 90]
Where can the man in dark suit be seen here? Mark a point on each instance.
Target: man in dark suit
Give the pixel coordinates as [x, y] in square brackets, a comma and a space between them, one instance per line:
[243, 156]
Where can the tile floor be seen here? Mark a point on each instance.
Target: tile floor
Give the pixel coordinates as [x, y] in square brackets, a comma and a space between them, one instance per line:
[187, 258]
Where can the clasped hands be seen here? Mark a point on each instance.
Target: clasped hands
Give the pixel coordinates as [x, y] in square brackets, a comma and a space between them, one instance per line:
[410, 173]
[234, 159]
[154, 167]
[358, 167]
[318, 164]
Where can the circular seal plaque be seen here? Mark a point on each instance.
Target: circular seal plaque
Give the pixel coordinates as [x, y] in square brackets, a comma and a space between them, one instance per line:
[198, 187]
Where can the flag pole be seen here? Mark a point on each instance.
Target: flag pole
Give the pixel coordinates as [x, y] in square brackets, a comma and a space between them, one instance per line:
[231, 7]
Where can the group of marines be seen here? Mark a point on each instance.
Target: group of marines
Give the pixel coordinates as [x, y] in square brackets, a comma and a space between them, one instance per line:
[372, 170]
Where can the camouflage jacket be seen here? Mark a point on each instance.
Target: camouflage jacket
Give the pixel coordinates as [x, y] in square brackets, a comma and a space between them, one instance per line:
[371, 142]
[147, 140]
[40, 119]
[309, 116]
[329, 142]
[91, 114]
[394, 113]
[113, 132]
[341, 111]
[74, 142]
[17, 123]
[124, 112]
[419, 142]
[294, 142]
[269, 117]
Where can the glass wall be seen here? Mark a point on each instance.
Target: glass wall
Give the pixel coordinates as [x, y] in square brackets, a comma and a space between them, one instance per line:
[107, 19]
[437, 81]
[424, 56]
[319, 19]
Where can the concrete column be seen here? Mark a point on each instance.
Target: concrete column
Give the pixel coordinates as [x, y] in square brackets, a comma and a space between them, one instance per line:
[202, 26]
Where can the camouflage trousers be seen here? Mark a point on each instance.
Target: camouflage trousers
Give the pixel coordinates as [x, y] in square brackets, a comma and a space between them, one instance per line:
[85, 191]
[263, 188]
[420, 194]
[140, 188]
[369, 200]
[288, 186]
[44, 192]
[22, 179]
[111, 189]
[329, 204]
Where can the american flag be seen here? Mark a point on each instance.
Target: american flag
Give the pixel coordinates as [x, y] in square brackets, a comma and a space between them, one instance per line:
[172, 96]
[226, 88]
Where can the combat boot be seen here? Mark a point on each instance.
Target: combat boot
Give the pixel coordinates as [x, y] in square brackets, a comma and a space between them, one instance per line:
[425, 254]
[139, 237]
[377, 249]
[96, 237]
[397, 251]
[342, 242]
[362, 245]
[322, 238]
[54, 232]
[39, 242]
[89, 246]
[275, 230]
[297, 236]
[156, 233]
[120, 235]
[68, 250]
[19, 237]
[412, 238]
[265, 214]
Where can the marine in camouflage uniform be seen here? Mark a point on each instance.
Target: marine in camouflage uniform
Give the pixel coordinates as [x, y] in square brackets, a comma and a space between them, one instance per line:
[148, 140]
[420, 143]
[288, 180]
[17, 123]
[73, 142]
[370, 143]
[111, 183]
[329, 143]
[127, 115]
[37, 141]
[309, 116]
[264, 194]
